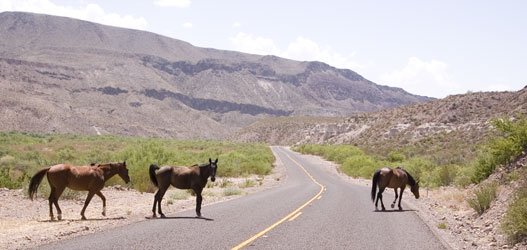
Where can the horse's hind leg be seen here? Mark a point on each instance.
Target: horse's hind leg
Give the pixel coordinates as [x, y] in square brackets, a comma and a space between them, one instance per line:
[103, 202]
[160, 194]
[86, 202]
[379, 197]
[155, 202]
[393, 203]
[51, 200]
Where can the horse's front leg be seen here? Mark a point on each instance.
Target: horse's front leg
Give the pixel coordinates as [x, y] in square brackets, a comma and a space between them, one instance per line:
[199, 199]
[99, 193]
[400, 198]
[393, 203]
[88, 199]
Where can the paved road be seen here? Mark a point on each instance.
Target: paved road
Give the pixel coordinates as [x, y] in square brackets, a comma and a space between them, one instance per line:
[317, 212]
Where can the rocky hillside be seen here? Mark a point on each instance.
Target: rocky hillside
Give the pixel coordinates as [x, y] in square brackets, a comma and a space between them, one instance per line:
[464, 119]
[64, 75]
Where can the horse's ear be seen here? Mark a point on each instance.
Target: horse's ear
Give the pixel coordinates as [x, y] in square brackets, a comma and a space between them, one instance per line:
[210, 160]
[216, 161]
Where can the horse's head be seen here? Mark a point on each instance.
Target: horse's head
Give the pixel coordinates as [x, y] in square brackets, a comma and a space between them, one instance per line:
[123, 171]
[415, 189]
[213, 166]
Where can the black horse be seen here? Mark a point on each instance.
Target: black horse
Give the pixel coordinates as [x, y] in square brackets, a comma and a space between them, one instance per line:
[194, 177]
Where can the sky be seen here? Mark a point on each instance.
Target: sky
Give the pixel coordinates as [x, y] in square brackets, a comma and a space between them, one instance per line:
[431, 48]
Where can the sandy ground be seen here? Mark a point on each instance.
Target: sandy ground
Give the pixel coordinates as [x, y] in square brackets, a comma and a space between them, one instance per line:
[25, 223]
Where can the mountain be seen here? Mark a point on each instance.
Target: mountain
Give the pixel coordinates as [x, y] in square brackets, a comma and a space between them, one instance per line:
[62, 75]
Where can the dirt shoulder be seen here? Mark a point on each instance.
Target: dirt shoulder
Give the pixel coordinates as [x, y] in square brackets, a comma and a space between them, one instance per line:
[26, 224]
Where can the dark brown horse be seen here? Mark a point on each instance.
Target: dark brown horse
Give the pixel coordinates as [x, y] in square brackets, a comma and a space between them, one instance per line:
[89, 178]
[392, 178]
[194, 177]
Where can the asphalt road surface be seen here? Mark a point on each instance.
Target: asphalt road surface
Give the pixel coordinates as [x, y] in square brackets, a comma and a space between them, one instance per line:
[313, 209]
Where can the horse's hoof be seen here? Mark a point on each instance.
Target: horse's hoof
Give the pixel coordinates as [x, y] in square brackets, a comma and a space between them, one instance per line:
[59, 217]
[162, 215]
[103, 214]
[400, 209]
[383, 209]
[83, 218]
[393, 205]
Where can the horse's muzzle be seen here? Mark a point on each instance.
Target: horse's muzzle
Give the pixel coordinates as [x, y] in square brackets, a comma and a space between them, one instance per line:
[212, 178]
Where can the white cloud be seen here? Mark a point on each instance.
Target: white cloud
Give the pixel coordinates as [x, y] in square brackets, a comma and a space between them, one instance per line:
[89, 12]
[302, 49]
[254, 45]
[187, 25]
[430, 78]
[173, 3]
[236, 25]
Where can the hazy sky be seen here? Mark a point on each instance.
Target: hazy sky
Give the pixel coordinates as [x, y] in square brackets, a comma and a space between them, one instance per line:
[432, 48]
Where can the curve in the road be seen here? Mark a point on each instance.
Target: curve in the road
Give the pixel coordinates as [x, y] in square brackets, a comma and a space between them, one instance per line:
[293, 215]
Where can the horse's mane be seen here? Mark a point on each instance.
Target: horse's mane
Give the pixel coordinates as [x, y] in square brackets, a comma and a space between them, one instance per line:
[202, 165]
[411, 179]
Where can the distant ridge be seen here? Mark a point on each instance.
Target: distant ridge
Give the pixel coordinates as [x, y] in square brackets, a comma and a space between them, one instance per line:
[60, 75]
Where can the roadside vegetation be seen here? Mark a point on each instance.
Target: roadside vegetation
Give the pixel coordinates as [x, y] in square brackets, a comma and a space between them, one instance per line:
[22, 154]
[510, 141]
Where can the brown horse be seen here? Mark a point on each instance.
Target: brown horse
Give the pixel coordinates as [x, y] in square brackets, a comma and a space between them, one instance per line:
[392, 178]
[194, 177]
[90, 178]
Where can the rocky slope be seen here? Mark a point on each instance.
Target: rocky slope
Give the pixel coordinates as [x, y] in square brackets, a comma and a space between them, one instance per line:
[462, 118]
[64, 75]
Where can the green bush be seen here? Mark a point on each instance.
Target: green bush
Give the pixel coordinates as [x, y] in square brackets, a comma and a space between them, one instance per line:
[8, 181]
[396, 157]
[483, 197]
[502, 149]
[360, 166]
[444, 175]
[514, 223]
[464, 175]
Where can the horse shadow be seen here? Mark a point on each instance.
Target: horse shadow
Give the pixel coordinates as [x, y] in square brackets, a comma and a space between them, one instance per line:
[181, 218]
[80, 220]
[394, 210]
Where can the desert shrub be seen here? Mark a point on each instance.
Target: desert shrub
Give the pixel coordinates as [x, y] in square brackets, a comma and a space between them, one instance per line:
[514, 223]
[444, 175]
[483, 197]
[418, 167]
[229, 191]
[359, 166]
[396, 157]
[340, 153]
[247, 183]
[502, 149]
[464, 175]
[11, 182]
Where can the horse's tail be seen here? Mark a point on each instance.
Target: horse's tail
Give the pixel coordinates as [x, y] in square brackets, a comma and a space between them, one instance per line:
[153, 178]
[35, 181]
[375, 179]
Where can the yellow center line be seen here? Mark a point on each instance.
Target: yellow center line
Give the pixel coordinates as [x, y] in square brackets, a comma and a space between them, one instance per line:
[256, 236]
[294, 217]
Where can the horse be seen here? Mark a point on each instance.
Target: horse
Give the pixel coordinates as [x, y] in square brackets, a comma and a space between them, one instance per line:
[89, 178]
[194, 177]
[392, 178]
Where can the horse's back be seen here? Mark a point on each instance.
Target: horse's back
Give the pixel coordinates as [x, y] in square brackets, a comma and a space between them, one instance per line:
[180, 177]
[74, 177]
